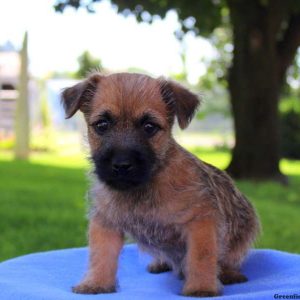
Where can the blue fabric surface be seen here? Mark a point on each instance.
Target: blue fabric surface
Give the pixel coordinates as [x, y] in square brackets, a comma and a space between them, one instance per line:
[50, 275]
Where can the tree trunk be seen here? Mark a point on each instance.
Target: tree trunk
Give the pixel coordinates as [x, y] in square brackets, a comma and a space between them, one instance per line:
[254, 86]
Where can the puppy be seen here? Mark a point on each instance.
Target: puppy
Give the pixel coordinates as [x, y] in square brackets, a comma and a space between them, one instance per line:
[186, 213]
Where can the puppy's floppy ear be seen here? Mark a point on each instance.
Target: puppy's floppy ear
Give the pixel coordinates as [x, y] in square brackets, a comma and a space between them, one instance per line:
[180, 101]
[79, 95]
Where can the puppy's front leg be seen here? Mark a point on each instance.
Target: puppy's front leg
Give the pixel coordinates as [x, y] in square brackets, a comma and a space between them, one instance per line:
[201, 259]
[105, 245]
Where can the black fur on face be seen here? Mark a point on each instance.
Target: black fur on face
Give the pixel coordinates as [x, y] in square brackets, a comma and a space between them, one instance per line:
[124, 167]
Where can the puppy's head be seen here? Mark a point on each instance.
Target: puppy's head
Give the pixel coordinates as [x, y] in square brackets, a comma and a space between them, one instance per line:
[129, 119]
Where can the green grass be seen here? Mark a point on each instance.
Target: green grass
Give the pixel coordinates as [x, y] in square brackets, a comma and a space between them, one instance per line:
[42, 203]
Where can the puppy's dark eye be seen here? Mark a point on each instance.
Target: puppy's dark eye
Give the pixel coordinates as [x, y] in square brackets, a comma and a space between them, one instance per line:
[101, 126]
[150, 128]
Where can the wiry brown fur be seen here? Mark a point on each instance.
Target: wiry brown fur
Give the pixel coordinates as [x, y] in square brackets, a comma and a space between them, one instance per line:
[189, 216]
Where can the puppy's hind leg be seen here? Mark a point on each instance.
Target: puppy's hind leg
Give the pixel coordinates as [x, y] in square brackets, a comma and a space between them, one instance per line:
[158, 266]
[230, 275]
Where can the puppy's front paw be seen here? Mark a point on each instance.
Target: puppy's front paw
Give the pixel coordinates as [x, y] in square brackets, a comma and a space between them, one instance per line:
[196, 293]
[89, 288]
[199, 292]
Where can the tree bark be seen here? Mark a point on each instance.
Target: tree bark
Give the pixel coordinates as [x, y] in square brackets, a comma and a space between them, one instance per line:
[255, 81]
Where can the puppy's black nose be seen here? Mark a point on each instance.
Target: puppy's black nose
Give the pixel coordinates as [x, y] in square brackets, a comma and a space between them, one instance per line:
[121, 166]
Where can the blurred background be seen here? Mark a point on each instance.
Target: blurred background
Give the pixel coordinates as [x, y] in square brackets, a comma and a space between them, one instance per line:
[242, 57]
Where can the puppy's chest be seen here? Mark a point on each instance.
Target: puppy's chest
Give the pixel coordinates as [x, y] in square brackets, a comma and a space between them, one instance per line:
[152, 232]
[148, 226]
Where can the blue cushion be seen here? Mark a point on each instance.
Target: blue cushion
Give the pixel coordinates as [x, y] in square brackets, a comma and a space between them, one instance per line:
[50, 275]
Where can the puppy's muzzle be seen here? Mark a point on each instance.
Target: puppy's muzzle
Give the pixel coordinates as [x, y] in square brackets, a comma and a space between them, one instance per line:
[122, 165]
[124, 168]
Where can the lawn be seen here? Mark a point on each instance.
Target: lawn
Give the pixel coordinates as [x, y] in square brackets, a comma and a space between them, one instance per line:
[43, 207]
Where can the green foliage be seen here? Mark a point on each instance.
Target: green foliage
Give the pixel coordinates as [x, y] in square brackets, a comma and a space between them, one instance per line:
[290, 134]
[288, 104]
[217, 67]
[214, 83]
[290, 127]
[215, 101]
[199, 16]
[61, 74]
[7, 144]
[291, 85]
[87, 63]
[42, 204]
[43, 142]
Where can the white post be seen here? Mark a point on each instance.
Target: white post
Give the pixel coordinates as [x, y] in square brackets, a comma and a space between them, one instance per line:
[22, 121]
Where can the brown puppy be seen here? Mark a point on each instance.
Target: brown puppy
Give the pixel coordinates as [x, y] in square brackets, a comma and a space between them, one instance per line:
[185, 212]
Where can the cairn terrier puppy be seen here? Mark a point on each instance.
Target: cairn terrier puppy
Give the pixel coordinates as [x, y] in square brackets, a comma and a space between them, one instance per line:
[186, 213]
